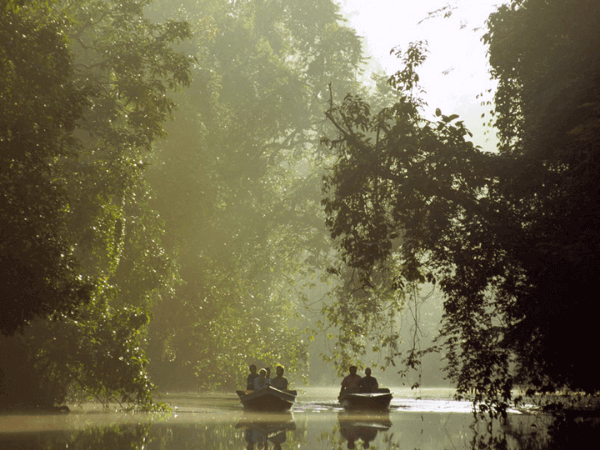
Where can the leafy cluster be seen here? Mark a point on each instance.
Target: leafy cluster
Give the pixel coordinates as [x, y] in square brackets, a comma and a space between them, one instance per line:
[511, 238]
[41, 106]
[184, 264]
[86, 87]
[548, 117]
[243, 215]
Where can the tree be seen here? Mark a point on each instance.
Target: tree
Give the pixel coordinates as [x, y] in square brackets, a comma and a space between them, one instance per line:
[510, 238]
[399, 187]
[243, 213]
[548, 117]
[120, 69]
[40, 109]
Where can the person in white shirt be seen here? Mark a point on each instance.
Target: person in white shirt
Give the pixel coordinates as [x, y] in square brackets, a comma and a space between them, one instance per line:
[262, 381]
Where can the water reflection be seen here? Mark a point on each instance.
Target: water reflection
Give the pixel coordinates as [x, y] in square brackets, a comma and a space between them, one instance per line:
[263, 431]
[339, 432]
[134, 437]
[316, 422]
[361, 426]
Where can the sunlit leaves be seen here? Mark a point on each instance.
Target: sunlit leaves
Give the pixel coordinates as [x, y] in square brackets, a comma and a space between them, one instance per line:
[244, 213]
[87, 89]
[41, 105]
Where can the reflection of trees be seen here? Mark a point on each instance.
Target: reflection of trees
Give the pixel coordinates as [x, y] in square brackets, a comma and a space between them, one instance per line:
[280, 431]
[518, 432]
[540, 432]
[259, 431]
[123, 437]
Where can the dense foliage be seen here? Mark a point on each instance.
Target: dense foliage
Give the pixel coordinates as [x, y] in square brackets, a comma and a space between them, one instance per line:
[88, 84]
[185, 259]
[237, 183]
[511, 238]
[41, 105]
[108, 282]
[547, 111]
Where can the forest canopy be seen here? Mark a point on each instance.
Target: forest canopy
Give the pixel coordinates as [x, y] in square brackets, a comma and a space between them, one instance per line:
[509, 237]
[80, 248]
[169, 203]
[175, 262]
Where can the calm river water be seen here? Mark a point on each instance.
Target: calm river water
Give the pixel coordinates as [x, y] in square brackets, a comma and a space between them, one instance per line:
[218, 421]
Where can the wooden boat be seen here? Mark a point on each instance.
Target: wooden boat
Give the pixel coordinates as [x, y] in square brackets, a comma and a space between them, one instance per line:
[267, 399]
[379, 399]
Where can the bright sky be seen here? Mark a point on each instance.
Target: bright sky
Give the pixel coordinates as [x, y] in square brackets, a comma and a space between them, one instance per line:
[456, 69]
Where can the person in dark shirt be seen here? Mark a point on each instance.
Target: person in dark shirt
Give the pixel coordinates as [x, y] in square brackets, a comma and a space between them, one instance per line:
[251, 377]
[350, 383]
[279, 382]
[368, 383]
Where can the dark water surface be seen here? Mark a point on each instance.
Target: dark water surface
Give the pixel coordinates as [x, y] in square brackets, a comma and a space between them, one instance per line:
[218, 421]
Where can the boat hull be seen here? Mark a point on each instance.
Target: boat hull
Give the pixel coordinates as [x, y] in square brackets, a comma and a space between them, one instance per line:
[267, 399]
[378, 400]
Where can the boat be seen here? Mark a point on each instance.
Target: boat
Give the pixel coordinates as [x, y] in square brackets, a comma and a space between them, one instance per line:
[378, 399]
[267, 399]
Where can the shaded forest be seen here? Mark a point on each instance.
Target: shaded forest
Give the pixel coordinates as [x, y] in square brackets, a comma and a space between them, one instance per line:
[190, 187]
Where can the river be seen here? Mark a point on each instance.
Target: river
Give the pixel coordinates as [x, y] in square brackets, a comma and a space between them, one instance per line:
[427, 419]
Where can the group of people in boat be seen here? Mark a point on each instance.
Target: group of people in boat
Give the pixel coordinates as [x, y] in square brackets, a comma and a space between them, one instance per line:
[262, 379]
[355, 383]
[350, 384]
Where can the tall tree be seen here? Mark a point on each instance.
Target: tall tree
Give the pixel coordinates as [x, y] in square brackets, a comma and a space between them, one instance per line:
[511, 238]
[545, 57]
[41, 106]
[243, 212]
[117, 68]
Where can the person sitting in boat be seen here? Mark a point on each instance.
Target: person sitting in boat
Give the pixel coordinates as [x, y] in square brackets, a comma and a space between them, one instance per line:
[350, 382]
[262, 381]
[250, 380]
[368, 383]
[279, 382]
